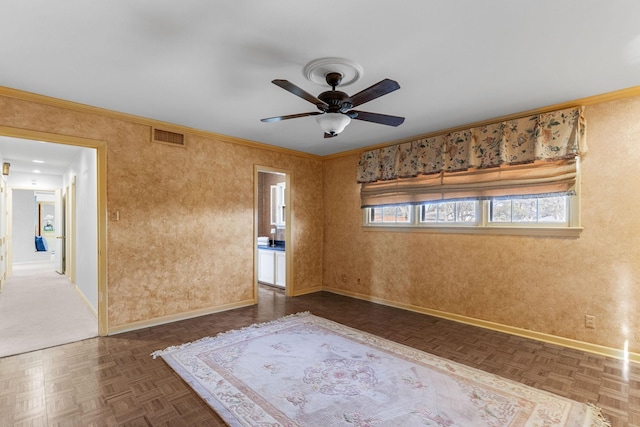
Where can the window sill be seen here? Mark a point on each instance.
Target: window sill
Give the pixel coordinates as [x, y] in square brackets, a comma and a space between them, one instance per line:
[571, 232]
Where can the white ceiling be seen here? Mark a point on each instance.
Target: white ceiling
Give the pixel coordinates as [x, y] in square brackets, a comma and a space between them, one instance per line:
[21, 153]
[208, 64]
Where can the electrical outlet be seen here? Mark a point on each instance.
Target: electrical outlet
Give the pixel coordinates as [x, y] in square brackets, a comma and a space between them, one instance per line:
[590, 321]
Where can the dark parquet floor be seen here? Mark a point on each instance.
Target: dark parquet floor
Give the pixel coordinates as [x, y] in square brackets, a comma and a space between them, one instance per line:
[113, 381]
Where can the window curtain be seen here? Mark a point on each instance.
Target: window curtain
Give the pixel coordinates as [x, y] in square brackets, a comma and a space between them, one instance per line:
[527, 156]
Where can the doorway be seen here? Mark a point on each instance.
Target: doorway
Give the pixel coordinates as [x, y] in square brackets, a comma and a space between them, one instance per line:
[273, 213]
[42, 305]
[89, 272]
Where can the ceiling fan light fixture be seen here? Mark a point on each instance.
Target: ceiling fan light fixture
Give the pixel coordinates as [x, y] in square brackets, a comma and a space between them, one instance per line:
[333, 123]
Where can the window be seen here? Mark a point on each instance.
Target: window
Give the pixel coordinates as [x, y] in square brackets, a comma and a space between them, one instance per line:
[278, 204]
[550, 215]
[536, 210]
[495, 178]
[400, 214]
[449, 212]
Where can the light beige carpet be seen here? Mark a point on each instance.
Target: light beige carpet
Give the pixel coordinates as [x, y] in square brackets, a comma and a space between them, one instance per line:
[40, 308]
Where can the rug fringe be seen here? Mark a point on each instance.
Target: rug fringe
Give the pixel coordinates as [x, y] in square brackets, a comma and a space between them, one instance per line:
[157, 353]
[597, 419]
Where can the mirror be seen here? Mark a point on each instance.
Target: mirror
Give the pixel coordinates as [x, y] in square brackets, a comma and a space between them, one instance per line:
[46, 219]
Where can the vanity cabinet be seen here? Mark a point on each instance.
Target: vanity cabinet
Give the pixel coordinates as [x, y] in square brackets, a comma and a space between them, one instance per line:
[266, 266]
[272, 267]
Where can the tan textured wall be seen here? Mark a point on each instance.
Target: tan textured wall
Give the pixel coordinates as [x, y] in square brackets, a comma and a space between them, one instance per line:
[541, 284]
[184, 241]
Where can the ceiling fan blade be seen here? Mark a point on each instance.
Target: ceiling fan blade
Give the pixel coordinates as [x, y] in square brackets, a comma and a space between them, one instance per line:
[290, 116]
[383, 87]
[288, 86]
[383, 119]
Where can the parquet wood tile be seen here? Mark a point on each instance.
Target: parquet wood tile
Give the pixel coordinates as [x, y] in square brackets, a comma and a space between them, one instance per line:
[113, 381]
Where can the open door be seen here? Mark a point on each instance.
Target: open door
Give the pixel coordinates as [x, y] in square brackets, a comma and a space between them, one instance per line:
[59, 256]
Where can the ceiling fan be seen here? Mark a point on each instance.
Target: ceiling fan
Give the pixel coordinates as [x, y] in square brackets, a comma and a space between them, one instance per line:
[336, 106]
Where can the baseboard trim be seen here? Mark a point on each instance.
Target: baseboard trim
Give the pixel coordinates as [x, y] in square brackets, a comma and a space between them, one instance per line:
[133, 326]
[85, 300]
[307, 291]
[512, 330]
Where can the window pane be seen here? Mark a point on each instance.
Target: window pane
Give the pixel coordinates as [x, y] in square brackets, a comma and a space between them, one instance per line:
[552, 209]
[389, 214]
[376, 215]
[525, 210]
[429, 213]
[466, 211]
[403, 213]
[447, 212]
[501, 210]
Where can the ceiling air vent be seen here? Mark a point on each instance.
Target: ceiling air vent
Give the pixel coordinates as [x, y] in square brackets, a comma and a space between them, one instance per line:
[168, 137]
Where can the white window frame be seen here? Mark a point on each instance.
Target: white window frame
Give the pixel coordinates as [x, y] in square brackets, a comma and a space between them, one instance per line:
[278, 205]
[483, 226]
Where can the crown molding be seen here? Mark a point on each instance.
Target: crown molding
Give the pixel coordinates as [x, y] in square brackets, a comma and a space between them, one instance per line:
[131, 118]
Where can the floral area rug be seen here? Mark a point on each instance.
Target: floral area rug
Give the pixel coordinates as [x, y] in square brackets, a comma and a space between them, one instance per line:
[303, 370]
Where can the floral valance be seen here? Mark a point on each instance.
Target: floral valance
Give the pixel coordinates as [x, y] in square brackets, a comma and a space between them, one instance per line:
[551, 136]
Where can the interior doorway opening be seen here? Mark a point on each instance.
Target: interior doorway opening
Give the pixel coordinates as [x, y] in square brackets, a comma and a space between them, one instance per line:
[272, 230]
[80, 233]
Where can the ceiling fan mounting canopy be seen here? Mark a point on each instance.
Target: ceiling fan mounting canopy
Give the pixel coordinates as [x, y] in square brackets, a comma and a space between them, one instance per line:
[336, 106]
[333, 79]
[316, 71]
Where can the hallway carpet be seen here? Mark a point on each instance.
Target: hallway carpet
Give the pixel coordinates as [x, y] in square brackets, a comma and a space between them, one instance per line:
[39, 309]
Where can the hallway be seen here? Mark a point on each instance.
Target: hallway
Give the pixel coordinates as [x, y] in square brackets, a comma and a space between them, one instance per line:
[41, 309]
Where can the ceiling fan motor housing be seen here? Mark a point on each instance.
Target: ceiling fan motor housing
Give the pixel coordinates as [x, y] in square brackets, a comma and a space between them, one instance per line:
[338, 102]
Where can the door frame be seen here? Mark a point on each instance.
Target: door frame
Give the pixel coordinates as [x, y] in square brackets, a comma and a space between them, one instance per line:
[61, 231]
[101, 177]
[289, 224]
[70, 230]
